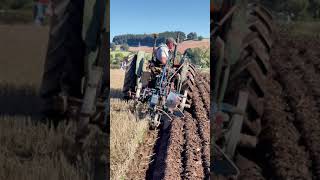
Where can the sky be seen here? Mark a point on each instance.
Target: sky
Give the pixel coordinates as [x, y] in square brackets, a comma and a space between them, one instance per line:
[155, 16]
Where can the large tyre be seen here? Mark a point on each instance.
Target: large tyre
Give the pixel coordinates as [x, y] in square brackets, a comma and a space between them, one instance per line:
[249, 74]
[66, 48]
[188, 73]
[64, 65]
[63, 68]
[251, 70]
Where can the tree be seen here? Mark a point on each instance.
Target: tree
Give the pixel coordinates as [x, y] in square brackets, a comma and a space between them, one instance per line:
[297, 7]
[146, 39]
[119, 56]
[113, 46]
[112, 56]
[199, 56]
[192, 36]
[125, 47]
[200, 38]
[314, 8]
[15, 4]
[18, 4]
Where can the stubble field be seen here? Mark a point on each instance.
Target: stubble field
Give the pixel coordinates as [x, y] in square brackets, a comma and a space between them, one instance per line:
[30, 150]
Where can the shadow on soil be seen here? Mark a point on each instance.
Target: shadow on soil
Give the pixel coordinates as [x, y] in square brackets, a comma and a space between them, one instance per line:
[116, 93]
[19, 100]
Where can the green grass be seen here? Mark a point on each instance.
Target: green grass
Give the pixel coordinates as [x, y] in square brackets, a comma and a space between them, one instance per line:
[205, 70]
[16, 16]
[124, 53]
[304, 28]
[116, 57]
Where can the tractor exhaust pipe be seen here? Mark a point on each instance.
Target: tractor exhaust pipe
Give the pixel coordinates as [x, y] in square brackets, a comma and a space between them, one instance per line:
[248, 141]
[175, 52]
[155, 36]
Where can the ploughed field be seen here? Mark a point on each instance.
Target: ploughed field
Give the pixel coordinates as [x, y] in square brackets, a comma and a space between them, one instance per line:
[182, 151]
[288, 146]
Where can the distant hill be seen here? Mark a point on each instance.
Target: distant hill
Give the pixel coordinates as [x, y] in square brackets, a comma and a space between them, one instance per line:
[181, 48]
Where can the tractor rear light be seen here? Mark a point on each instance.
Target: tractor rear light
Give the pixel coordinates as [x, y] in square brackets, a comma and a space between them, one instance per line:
[219, 120]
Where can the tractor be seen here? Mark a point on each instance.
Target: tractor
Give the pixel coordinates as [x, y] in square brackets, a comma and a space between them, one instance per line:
[162, 88]
[242, 37]
[75, 79]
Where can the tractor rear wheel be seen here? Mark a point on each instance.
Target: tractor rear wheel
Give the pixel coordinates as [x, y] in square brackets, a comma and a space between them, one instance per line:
[188, 73]
[248, 77]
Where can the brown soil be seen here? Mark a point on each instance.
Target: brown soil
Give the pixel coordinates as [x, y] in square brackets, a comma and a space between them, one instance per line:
[139, 166]
[182, 151]
[281, 138]
[300, 80]
[289, 143]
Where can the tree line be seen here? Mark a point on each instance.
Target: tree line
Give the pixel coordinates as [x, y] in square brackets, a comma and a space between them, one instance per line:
[148, 39]
[16, 4]
[296, 9]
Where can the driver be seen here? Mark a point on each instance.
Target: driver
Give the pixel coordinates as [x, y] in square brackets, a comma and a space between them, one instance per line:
[164, 51]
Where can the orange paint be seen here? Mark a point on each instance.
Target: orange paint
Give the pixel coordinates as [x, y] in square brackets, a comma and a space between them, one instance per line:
[211, 7]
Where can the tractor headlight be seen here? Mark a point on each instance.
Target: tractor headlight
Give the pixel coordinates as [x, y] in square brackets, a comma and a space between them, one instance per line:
[154, 100]
[172, 100]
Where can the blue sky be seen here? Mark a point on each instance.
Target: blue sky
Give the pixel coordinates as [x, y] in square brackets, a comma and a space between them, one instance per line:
[154, 16]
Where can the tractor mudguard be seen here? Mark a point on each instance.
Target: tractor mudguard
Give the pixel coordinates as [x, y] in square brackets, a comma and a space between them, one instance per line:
[236, 33]
[140, 63]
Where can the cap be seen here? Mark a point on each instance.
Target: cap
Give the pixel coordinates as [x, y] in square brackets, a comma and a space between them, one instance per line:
[171, 40]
